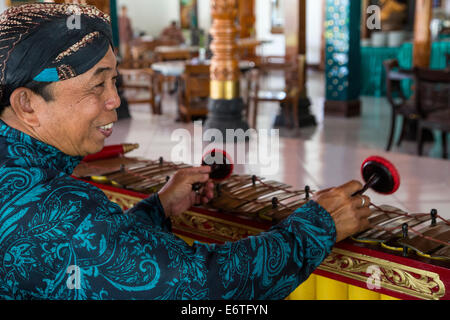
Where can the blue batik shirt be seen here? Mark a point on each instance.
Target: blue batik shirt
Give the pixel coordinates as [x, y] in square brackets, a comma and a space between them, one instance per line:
[61, 238]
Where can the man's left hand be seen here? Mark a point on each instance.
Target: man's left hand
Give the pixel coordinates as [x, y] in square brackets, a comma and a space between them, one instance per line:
[177, 195]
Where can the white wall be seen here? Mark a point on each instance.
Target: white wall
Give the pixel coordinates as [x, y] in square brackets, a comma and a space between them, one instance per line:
[151, 16]
[314, 22]
[204, 14]
[263, 25]
[447, 6]
[2, 5]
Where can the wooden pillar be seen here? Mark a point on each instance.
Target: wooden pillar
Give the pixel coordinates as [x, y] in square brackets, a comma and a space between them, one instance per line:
[225, 104]
[246, 28]
[295, 28]
[295, 38]
[247, 18]
[343, 57]
[365, 32]
[422, 33]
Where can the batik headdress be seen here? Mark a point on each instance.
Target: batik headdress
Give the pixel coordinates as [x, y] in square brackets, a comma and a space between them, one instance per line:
[50, 42]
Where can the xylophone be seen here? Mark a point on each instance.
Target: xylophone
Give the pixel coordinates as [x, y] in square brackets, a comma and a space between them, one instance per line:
[402, 255]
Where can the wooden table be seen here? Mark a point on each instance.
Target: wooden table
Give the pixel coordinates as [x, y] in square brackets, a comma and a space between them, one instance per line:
[170, 49]
[167, 53]
[176, 68]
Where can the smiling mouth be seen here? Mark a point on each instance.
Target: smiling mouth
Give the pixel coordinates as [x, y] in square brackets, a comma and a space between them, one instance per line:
[107, 127]
[106, 130]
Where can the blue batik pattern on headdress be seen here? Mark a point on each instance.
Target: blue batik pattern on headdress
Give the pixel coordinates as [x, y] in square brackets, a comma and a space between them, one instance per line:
[53, 226]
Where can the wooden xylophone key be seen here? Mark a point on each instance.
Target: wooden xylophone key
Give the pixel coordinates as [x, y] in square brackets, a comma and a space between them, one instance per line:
[393, 226]
[247, 194]
[421, 242]
[152, 176]
[157, 178]
[444, 252]
[254, 192]
[262, 202]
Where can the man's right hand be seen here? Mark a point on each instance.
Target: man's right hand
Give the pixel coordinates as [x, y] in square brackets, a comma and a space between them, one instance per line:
[348, 213]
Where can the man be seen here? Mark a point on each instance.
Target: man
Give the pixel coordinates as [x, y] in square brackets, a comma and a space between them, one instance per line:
[173, 33]
[61, 238]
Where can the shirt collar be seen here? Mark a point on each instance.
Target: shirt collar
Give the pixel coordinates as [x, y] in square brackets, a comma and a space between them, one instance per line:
[27, 151]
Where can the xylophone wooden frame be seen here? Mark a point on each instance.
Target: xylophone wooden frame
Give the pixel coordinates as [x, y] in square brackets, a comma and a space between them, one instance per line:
[349, 262]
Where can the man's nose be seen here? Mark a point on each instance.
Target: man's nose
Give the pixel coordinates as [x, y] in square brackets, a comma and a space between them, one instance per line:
[113, 102]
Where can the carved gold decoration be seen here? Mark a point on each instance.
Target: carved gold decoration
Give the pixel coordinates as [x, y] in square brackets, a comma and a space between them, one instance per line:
[224, 89]
[393, 276]
[124, 201]
[214, 228]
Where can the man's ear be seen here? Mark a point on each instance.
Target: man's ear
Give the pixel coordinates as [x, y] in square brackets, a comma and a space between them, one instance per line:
[21, 102]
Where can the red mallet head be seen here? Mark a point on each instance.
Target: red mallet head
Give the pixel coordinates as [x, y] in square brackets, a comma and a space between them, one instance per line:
[220, 162]
[380, 175]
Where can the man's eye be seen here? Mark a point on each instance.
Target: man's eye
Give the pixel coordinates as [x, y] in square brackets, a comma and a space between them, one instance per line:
[100, 85]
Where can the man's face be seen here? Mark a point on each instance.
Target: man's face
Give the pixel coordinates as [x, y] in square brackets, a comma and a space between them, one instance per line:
[80, 116]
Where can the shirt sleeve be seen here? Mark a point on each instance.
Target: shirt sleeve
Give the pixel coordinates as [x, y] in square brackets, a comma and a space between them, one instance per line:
[152, 210]
[123, 256]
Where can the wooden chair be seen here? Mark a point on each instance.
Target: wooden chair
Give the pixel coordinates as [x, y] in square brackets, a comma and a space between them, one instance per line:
[142, 82]
[194, 94]
[433, 91]
[288, 97]
[400, 105]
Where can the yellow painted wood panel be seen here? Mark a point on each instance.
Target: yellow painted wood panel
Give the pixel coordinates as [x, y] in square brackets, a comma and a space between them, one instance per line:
[306, 291]
[329, 289]
[357, 293]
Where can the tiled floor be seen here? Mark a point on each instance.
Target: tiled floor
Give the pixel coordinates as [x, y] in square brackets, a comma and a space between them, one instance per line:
[323, 156]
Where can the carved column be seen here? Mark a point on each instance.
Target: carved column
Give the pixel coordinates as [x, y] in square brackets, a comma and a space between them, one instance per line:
[422, 33]
[225, 104]
[343, 57]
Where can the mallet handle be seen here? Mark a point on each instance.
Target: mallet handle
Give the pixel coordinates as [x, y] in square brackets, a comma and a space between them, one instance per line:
[372, 181]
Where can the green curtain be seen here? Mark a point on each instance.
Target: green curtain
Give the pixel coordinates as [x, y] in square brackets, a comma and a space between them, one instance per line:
[437, 60]
[373, 82]
[373, 76]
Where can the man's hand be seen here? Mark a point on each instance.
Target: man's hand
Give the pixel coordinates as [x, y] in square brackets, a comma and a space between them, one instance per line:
[350, 214]
[177, 195]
